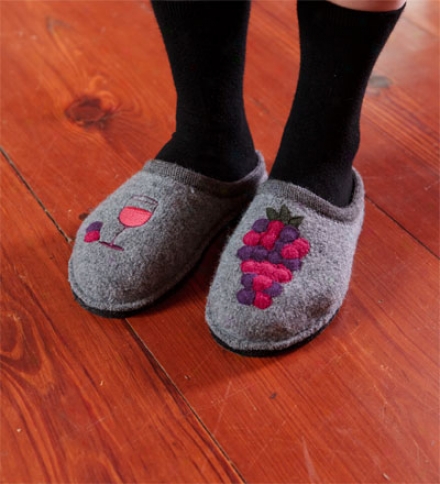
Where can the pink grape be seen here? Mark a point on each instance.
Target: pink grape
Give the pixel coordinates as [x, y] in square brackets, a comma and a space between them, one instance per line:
[276, 271]
[260, 283]
[268, 240]
[299, 248]
[290, 252]
[252, 238]
[262, 301]
[302, 246]
[282, 274]
[275, 227]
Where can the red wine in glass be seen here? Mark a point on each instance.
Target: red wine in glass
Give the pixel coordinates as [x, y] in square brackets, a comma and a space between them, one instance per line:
[137, 213]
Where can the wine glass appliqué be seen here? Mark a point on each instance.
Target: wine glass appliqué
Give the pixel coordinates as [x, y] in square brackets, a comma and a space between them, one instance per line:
[137, 212]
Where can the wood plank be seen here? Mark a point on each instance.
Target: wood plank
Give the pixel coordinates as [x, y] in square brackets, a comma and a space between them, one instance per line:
[425, 14]
[400, 130]
[404, 104]
[82, 401]
[400, 186]
[358, 404]
[86, 107]
[110, 143]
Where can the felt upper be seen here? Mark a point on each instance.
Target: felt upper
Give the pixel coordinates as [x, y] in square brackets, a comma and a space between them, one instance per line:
[148, 257]
[306, 303]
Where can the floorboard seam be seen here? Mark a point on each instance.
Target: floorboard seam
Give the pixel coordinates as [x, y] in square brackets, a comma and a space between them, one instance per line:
[163, 373]
[401, 226]
[34, 195]
[420, 27]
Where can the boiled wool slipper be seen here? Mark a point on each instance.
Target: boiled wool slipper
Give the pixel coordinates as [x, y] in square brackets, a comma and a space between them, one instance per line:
[146, 236]
[286, 269]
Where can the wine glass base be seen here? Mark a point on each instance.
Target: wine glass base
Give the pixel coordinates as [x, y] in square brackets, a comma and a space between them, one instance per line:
[111, 246]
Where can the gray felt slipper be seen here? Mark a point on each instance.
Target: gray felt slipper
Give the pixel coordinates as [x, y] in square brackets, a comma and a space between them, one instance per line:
[285, 271]
[146, 236]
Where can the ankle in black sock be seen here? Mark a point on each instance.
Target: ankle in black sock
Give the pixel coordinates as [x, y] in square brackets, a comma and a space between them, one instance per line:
[339, 47]
[206, 44]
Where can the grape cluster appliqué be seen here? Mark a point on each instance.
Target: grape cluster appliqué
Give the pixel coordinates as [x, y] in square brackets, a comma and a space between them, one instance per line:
[273, 250]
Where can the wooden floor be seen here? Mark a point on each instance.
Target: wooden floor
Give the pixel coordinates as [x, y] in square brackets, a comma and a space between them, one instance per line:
[86, 98]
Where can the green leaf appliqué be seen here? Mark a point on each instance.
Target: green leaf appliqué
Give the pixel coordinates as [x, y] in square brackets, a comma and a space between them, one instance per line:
[272, 214]
[285, 214]
[296, 221]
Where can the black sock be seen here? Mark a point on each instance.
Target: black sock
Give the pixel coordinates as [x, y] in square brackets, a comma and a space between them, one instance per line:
[339, 48]
[206, 44]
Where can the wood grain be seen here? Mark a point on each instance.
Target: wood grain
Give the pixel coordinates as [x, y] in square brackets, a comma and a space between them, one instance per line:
[358, 403]
[424, 14]
[87, 97]
[101, 112]
[76, 63]
[82, 399]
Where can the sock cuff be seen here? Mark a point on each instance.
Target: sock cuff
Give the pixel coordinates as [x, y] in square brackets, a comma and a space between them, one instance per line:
[321, 13]
[173, 7]
[196, 8]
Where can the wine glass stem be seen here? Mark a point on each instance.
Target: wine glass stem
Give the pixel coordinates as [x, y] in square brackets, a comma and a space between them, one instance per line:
[116, 236]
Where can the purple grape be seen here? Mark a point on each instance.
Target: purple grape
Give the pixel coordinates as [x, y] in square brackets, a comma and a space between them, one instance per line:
[94, 226]
[274, 290]
[247, 280]
[245, 253]
[279, 246]
[274, 257]
[260, 254]
[292, 264]
[289, 234]
[246, 296]
[261, 225]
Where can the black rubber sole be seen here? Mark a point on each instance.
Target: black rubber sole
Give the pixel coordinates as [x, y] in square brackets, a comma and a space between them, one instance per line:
[269, 353]
[109, 314]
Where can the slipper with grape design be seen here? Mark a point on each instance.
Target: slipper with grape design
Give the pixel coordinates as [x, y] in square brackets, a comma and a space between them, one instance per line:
[286, 269]
[145, 237]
